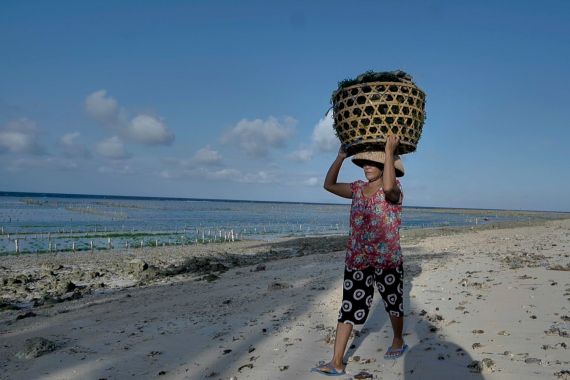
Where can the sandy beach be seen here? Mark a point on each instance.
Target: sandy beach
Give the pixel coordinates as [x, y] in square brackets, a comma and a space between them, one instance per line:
[483, 303]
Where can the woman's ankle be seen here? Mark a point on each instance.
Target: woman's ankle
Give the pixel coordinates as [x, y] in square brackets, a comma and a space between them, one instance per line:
[338, 364]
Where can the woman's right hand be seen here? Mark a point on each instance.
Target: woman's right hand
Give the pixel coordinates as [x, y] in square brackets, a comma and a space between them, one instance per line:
[341, 152]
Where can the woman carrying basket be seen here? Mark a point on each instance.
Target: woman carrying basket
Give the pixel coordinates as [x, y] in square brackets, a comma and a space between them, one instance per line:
[373, 254]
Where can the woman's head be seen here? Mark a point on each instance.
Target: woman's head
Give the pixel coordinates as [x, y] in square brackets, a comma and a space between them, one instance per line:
[372, 170]
[376, 159]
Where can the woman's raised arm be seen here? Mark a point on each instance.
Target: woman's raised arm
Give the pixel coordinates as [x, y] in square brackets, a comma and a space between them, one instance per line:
[340, 189]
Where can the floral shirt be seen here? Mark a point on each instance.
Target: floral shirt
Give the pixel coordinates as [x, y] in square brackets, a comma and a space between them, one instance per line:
[374, 238]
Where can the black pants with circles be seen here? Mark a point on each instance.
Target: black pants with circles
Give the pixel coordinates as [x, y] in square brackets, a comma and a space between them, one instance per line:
[358, 292]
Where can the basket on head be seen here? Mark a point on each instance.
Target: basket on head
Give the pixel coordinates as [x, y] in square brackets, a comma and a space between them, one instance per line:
[376, 105]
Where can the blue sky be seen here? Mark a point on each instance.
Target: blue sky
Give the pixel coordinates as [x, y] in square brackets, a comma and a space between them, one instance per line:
[226, 99]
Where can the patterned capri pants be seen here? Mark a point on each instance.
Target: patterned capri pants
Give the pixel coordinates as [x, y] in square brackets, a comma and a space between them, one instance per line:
[358, 292]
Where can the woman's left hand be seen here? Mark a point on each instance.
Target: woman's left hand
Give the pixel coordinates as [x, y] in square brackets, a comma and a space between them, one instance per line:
[392, 142]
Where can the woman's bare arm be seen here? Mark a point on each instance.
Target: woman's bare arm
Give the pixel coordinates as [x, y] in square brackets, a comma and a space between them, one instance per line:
[340, 189]
[391, 190]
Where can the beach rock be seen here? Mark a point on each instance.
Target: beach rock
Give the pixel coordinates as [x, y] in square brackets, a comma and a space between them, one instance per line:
[533, 361]
[26, 315]
[8, 306]
[563, 375]
[65, 286]
[75, 295]
[149, 274]
[484, 366]
[210, 277]
[560, 267]
[48, 273]
[35, 347]
[249, 365]
[137, 266]
[283, 368]
[556, 330]
[363, 375]
[95, 274]
[276, 285]
[259, 268]
[217, 267]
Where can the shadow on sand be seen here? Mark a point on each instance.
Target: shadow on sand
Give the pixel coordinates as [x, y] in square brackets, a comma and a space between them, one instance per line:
[430, 356]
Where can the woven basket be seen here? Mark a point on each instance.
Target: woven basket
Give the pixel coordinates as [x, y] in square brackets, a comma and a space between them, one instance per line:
[366, 113]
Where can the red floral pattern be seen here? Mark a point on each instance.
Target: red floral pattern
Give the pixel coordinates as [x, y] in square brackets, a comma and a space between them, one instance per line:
[374, 238]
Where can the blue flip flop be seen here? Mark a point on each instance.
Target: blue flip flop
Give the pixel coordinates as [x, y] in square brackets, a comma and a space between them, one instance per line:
[395, 354]
[332, 371]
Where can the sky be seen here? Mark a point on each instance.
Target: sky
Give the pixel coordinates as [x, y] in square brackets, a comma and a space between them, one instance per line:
[230, 100]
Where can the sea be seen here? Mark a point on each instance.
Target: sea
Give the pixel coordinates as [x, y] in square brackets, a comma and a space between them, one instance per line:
[40, 223]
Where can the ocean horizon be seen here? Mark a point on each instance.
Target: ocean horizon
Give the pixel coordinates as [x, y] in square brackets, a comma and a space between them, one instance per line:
[138, 197]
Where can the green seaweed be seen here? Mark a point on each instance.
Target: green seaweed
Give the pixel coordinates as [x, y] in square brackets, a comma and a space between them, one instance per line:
[373, 76]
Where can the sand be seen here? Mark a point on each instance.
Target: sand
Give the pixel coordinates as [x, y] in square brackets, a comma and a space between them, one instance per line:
[490, 303]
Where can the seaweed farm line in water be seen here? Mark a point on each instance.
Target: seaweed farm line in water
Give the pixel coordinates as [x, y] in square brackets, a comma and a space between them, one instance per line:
[75, 241]
[82, 241]
[40, 224]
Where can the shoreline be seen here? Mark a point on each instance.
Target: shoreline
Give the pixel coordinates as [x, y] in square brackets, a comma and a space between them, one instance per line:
[480, 304]
[32, 280]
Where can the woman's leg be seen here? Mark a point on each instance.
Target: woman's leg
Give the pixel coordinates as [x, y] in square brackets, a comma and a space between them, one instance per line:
[390, 285]
[343, 331]
[357, 294]
[397, 327]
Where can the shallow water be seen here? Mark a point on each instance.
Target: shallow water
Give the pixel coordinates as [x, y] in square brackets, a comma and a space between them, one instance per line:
[42, 223]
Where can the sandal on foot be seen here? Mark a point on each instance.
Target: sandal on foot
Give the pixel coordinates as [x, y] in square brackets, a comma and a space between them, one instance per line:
[395, 354]
[328, 370]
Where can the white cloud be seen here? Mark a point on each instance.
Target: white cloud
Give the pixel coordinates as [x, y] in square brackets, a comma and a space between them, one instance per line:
[178, 169]
[257, 136]
[259, 177]
[112, 147]
[141, 129]
[169, 174]
[149, 130]
[207, 156]
[324, 138]
[72, 148]
[102, 107]
[223, 174]
[48, 163]
[118, 168]
[20, 136]
[301, 155]
[313, 181]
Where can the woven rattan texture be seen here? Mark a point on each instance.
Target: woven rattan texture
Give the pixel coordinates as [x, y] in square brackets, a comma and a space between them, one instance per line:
[365, 114]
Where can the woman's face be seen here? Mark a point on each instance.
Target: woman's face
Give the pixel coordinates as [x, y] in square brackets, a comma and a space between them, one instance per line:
[372, 171]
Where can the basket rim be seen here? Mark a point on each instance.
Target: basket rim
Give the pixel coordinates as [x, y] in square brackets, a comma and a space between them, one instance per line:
[335, 92]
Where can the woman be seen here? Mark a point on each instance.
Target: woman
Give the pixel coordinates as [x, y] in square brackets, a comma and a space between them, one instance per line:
[373, 251]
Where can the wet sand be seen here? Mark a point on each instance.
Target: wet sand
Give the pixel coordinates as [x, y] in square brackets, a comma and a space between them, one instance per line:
[491, 302]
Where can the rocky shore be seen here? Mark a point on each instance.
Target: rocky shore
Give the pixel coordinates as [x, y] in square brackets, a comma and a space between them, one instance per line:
[490, 302]
[32, 280]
